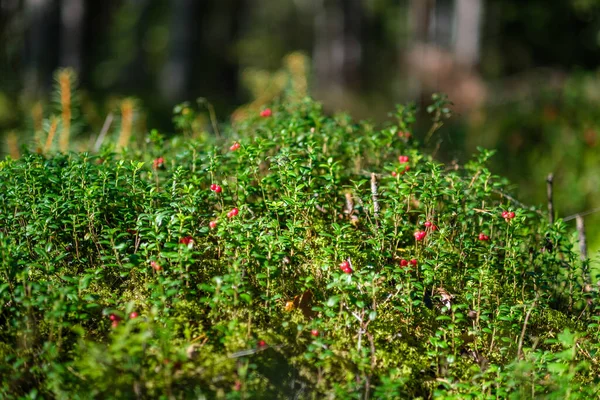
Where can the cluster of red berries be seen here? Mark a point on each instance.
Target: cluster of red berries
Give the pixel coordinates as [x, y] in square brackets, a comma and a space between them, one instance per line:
[483, 237]
[234, 211]
[187, 240]
[420, 235]
[402, 160]
[216, 188]
[345, 267]
[116, 319]
[430, 225]
[413, 262]
[406, 135]
[266, 113]
[234, 146]
[508, 215]
[158, 163]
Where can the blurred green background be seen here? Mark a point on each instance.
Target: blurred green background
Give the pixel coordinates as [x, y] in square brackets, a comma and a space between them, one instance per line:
[523, 75]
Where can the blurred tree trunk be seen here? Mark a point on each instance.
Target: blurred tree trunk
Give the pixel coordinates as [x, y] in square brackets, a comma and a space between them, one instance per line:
[328, 50]
[442, 59]
[137, 71]
[468, 16]
[41, 20]
[337, 51]
[353, 25]
[419, 24]
[71, 18]
[419, 18]
[214, 50]
[11, 56]
[176, 72]
[443, 18]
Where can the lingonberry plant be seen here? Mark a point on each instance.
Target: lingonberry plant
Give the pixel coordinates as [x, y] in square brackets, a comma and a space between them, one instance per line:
[337, 261]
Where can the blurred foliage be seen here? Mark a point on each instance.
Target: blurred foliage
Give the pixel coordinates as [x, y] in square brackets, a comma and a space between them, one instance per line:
[554, 131]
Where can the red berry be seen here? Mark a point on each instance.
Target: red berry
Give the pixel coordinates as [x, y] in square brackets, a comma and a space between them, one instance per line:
[403, 263]
[218, 189]
[114, 317]
[420, 235]
[345, 267]
[155, 265]
[233, 213]
[187, 240]
[483, 237]
[133, 315]
[262, 343]
[234, 146]
[213, 187]
[434, 227]
[427, 224]
[237, 386]
[414, 262]
[394, 173]
[212, 224]
[266, 113]
[158, 163]
[115, 324]
[507, 215]
[403, 159]
[314, 332]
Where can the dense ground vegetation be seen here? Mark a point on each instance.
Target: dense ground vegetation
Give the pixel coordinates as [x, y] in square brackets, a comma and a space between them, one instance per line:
[299, 256]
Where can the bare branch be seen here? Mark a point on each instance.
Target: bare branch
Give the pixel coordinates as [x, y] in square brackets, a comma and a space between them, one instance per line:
[549, 181]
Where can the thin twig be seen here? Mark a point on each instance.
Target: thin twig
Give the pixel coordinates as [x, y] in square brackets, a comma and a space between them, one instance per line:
[586, 353]
[211, 114]
[375, 197]
[520, 347]
[105, 127]
[549, 181]
[583, 214]
[582, 239]
[349, 204]
[512, 199]
[583, 250]
[248, 352]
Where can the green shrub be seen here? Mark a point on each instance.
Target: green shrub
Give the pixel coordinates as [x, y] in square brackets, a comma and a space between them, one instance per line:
[320, 258]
